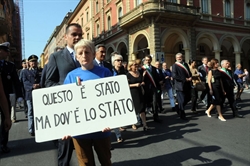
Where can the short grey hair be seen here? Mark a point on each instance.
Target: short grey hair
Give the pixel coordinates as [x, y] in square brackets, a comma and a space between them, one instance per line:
[115, 57]
[178, 54]
[85, 43]
[223, 61]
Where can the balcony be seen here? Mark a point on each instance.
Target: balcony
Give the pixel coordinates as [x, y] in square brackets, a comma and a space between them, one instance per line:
[164, 10]
[3, 23]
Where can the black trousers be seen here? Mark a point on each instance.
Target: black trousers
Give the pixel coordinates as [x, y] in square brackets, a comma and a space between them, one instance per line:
[194, 96]
[4, 137]
[183, 98]
[158, 100]
[65, 150]
[230, 96]
[204, 93]
[151, 100]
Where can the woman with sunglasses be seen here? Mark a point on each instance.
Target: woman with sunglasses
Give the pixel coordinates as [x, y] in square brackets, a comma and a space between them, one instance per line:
[118, 69]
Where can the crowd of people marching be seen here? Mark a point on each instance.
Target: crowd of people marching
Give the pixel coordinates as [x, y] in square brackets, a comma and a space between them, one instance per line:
[149, 85]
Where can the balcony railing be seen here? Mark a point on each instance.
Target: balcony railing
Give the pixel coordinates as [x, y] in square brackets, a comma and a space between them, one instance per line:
[179, 8]
[153, 7]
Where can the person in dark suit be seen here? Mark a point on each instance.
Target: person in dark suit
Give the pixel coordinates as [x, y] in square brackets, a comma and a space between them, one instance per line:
[100, 57]
[31, 81]
[228, 84]
[152, 86]
[203, 70]
[182, 78]
[4, 104]
[59, 65]
[11, 85]
[25, 66]
[43, 77]
[161, 81]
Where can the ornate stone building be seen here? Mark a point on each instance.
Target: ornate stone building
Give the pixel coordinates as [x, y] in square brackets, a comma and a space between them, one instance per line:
[161, 28]
[10, 29]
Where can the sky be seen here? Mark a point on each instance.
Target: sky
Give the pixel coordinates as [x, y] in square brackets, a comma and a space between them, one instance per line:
[40, 19]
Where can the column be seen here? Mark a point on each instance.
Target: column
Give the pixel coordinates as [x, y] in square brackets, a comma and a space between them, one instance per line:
[187, 54]
[217, 54]
[237, 57]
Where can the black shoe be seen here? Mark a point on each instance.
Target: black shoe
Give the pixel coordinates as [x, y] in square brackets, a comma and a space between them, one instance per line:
[145, 128]
[238, 99]
[238, 116]
[5, 149]
[194, 111]
[32, 134]
[183, 118]
[237, 106]
[111, 148]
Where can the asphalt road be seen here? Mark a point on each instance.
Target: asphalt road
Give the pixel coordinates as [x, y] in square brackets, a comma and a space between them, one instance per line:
[200, 141]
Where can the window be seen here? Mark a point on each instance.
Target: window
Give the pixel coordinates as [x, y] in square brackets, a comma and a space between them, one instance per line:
[87, 16]
[181, 48]
[88, 36]
[109, 23]
[202, 49]
[97, 29]
[172, 1]
[204, 6]
[108, 1]
[227, 9]
[96, 7]
[82, 21]
[119, 12]
[138, 2]
[248, 11]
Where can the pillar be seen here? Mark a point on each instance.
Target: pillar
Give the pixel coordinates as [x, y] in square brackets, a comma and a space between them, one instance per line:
[187, 54]
[217, 54]
[237, 57]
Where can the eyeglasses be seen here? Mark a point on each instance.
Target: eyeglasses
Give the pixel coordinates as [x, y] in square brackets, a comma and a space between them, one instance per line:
[118, 60]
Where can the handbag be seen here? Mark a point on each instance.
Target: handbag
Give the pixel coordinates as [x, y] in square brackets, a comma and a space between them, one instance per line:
[200, 86]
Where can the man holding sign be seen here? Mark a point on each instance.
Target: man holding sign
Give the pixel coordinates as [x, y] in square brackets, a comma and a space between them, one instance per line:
[85, 54]
[59, 65]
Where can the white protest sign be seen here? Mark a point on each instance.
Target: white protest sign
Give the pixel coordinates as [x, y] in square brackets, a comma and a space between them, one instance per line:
[75, 110]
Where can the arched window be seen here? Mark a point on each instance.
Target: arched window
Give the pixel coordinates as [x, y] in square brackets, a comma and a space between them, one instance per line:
[204, 6]
[97, 29]
[109, 23]
[119, 12]
[227, 8]
[248, 11]
[138, 2]
[97, 7]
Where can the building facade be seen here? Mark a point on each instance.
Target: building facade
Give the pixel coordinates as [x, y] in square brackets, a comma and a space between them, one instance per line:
[161, 28]
[56, 40]
[10, 29]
